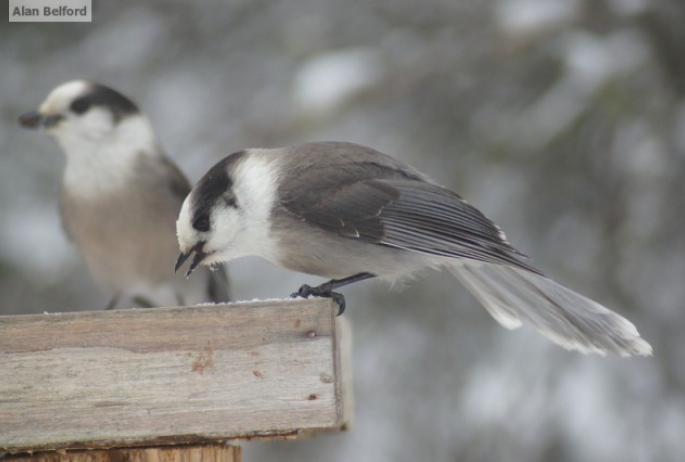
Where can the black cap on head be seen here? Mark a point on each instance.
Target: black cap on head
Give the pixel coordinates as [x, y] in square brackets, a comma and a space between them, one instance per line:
[100, 95]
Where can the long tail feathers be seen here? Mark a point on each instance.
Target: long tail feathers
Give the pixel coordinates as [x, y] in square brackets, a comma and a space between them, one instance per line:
[512, 295]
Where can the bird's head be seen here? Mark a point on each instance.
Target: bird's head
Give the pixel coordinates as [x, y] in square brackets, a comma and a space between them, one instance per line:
[210, 219]
[82, 115]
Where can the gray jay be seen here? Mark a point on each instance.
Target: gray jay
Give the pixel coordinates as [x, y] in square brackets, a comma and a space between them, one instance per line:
[120, 195]
[348, 212]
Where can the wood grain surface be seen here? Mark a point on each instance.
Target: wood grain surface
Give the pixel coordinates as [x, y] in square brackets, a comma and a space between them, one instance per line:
[160, 376]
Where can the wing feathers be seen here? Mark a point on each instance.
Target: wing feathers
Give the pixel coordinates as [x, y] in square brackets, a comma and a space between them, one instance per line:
[409, 214]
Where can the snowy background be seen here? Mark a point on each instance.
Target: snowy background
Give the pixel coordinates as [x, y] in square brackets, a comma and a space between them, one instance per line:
[563, 120]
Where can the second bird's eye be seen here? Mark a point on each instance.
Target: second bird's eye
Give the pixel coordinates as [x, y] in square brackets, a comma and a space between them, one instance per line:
[201, 223]
[80, 105]
[230, 201]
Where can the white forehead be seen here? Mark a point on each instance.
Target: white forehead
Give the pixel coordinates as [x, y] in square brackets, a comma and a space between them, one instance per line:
[61, 97]
[186, 235]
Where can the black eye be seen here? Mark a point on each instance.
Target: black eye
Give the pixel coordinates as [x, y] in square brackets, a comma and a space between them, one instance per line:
[230, 201]
[80, 105]
[201, 223]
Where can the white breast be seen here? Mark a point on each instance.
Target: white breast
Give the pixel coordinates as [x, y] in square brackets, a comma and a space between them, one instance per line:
[98, 165]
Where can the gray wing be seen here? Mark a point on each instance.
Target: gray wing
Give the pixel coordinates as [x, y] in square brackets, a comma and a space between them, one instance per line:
[174, 180]
[413, 214]
[410, 214]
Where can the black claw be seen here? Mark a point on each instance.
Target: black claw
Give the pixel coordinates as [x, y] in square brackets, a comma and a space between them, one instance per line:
[340, 300]
[324, 290]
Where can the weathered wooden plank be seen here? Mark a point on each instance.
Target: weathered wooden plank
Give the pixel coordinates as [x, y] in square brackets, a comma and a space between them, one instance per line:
[205, 453]
[171, 375]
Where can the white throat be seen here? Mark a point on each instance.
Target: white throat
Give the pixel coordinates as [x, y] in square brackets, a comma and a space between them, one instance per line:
[100, 162]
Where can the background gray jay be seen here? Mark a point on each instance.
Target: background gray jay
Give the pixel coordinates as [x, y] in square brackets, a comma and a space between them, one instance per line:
[120, 195]
[348, 212]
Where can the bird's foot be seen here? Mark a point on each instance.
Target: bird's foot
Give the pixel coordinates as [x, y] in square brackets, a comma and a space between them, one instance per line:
[323, 290]
[326, 289]
[112, 303]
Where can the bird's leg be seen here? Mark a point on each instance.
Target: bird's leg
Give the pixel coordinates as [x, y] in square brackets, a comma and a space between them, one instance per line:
[143, 302]
[113, 302]
[218, 285]
[326, 289]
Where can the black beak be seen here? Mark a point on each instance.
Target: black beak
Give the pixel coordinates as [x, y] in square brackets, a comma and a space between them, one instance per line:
[199, 256]
[35, 119]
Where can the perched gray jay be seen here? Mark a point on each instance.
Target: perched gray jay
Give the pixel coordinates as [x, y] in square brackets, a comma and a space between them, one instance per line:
[348, 212]
[120, 195]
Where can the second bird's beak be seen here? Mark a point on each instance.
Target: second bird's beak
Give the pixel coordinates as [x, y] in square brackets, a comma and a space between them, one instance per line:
[199, 256]
[35, 119]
